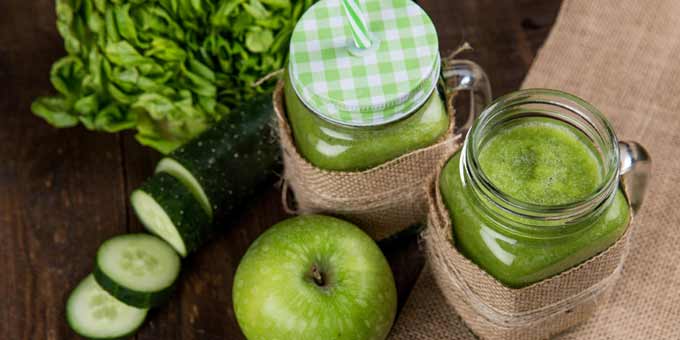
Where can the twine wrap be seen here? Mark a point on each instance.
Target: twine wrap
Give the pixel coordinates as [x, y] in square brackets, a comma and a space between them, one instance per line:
[494, 311]
[383, 200]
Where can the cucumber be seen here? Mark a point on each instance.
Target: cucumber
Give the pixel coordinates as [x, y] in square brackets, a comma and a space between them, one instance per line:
[137, 269]
[224, 166]
[170, 166]
[95, 314]
[169, 210]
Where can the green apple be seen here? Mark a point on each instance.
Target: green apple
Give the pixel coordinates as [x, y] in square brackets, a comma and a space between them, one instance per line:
[314, 278]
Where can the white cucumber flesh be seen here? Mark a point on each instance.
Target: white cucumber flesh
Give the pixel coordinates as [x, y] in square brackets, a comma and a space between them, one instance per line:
[177, 170]
[95, 314]
[139, 262]
[155, 219]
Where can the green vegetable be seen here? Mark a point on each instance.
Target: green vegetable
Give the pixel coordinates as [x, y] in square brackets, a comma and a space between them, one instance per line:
[225, 166]
[169, 210]
[210, 178]
[167, 68]
[95, 314]
[139, 270]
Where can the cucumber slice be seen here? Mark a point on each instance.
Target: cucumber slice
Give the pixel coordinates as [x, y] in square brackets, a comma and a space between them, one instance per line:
[95, 314]
[137, 269]
[177, 170]
[225, 166]
[168, 209]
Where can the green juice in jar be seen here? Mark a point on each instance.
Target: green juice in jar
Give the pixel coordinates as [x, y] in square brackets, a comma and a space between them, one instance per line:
[542, 162]
[353, 109]
[332, 146]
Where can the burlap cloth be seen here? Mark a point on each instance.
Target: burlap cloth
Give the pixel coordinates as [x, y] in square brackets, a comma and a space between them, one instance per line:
[495, 312]
[384, 200]
[623, 57]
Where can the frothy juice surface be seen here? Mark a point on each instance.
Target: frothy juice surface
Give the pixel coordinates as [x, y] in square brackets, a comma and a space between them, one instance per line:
[541, 161]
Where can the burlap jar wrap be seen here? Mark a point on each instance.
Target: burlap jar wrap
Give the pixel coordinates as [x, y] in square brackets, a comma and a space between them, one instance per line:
[383, 200]
[494, 311]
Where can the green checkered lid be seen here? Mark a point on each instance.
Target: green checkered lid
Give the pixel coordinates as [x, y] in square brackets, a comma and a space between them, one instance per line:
[363, 87]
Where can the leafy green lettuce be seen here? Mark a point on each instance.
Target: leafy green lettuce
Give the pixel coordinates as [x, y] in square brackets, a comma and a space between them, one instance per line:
[167, 68]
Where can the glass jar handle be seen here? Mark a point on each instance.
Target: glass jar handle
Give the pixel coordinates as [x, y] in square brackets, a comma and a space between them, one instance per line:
[636, 167]
[460, 74]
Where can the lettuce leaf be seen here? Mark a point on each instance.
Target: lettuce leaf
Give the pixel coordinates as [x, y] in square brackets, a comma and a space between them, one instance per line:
[167, 68]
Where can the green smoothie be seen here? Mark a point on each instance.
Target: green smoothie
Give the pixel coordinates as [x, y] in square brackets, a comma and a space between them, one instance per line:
[536, 161]
[332, 146]
[541, 161]
[356, 104]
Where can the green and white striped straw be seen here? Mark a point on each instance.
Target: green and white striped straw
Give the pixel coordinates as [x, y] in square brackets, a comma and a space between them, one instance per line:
[357, 20]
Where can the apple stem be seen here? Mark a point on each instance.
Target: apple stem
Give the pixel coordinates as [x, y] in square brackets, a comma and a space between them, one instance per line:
[318, 276]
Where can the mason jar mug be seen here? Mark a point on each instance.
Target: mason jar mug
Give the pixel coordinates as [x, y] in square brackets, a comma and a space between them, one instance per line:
[541, 185]
[352, 110]
[364, 129]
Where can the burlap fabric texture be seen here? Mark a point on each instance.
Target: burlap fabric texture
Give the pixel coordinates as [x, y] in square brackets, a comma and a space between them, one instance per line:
[384, 200]
[493, 311]
[621, 56]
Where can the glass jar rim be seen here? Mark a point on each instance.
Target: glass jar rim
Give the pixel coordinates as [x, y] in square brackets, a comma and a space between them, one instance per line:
[531, 214]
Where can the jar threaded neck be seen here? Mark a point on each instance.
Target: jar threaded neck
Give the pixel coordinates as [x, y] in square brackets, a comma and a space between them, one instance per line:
[531, 218]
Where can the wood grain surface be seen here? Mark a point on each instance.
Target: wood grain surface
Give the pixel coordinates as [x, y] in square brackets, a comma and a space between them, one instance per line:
[63, 192]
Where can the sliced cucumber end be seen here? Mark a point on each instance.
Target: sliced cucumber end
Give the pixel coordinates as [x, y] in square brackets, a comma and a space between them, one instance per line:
[177, 170]
[156, 220]
[95, 314]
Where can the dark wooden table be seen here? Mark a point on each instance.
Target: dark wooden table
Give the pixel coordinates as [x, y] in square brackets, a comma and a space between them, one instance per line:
[63, 192]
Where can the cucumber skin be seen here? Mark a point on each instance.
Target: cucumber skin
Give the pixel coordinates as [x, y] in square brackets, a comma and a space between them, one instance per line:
[75, 327]
[190, 220]
[235, 157]
[129, 296]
